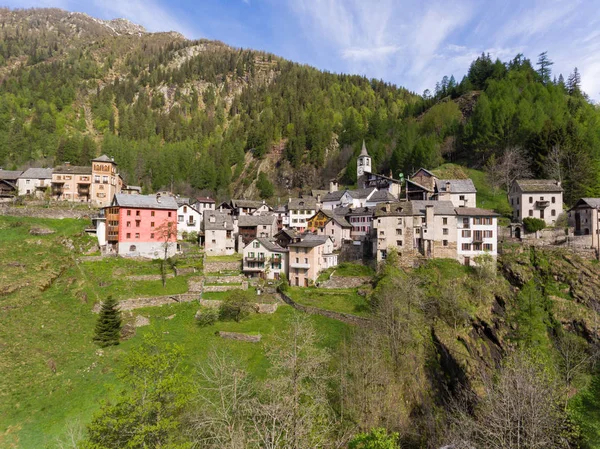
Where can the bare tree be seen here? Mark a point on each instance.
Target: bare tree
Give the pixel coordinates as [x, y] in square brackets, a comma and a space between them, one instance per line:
[72, 437]
[574, 358]
[166, 231]
[554, 163]
[512, 165]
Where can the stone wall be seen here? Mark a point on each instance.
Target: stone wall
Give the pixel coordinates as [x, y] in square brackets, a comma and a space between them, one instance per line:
[47, 212]
[345, 281]
[240, 337]
[217, 267]
[224, 287]
[225, 279]
[155, 301]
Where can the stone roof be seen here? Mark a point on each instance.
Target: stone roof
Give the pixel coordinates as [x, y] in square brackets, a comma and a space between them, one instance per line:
[222, 222]
[334, 196]
[382, 196]
[253, 204]
[204, 199]
[419, 186]
[439, 207]
[145, 201]
[310, 241]
[456, 185]
[594, 203]
[538, 185]
[37, 173]
[10, 175]
[397, 209]
[363, 151]
[339, 219]
[271, 245]
[182, 201]
[302, 203]
[246, 221]
[425, 170]
[291, 233]
[72, 170]
[104, 158]
[362, 210]
[361, 194]
[475, 212]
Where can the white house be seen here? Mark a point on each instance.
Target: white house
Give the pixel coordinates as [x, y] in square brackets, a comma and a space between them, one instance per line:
[461, 192]
[188, 220]
[217, 235]
[351, 198]
[299, 211]
[537, 198]
[203, 203]
[34, 181]
[264, 258]
[477, 233]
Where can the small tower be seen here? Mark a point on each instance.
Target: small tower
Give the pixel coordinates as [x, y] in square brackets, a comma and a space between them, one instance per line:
[364, 162]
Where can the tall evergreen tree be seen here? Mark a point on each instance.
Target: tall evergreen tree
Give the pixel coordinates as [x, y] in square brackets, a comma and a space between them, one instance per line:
[544, 64]
[108, 326]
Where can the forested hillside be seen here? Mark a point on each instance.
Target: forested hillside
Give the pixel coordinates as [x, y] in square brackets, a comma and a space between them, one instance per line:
[202, 116]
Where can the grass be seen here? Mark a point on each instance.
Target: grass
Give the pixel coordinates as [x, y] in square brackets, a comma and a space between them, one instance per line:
[46, 320]
[232, 258]
[346, 300]
[347, 269]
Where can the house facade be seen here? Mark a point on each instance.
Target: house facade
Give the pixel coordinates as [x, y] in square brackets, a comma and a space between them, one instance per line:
[35, 182]
[308, 257]
[327, 223]
[460, 192]
[141, 226]
[264, 258]
[584, 217]
[217, 234]
[188, 220]
[106, 181]
[204, 203]
[251, 226]
[361, 220]
[536, 198]
[477, 234]
[299, 211]
[72, 183]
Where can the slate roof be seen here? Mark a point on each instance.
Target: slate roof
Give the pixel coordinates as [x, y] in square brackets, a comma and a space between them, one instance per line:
[37, 173]
[397, 209]
[310, 241]
[439, 207]
[222, 222]
[104, 158]
[249, 221]
[271, 245]
[72, 170]
[246, 203]
[382, 196]
[360, 194]
[339, 219]
[362, 210]
[538, 185]
[144, 201]
[475, 212]
[425, 170]
[181, 201]
[315, 192]
[10, 175]
[334, 196]
[302, 203]
[204, 199]
[291, 233]
[594, 203]
[363, 151]
[456, 185]
[419, 186]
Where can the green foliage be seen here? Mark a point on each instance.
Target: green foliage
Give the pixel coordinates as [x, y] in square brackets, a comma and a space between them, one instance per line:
[207, 316]
[265, 187]
[147, 412]
[532, 224]
[237, 305]
[108, 326]
[377, 438]
[530, 317]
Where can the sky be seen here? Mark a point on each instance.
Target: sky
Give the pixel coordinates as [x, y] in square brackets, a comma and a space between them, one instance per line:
[408, 43]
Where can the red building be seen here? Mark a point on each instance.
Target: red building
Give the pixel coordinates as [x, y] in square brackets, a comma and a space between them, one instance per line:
[141, 225]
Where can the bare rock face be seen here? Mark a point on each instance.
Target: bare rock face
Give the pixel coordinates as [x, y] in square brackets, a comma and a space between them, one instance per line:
[41, 231]
[141, 321]
[240, 337]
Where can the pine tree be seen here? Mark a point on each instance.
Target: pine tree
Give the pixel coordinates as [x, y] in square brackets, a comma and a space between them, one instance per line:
[544, 71]
[108, 326]
[574, 82]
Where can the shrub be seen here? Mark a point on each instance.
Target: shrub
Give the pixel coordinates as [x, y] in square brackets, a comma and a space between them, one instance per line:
[533, 224]
[376, 439]
[284, 285]
[237, 306]
[207, 316]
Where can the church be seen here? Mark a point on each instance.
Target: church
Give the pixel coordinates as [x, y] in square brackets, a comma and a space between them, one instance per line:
[367, 179]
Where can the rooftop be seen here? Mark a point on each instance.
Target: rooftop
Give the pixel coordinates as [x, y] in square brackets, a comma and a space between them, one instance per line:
[382, 196]
[439, 207]
[310, 241]
[245, 221]
[72, 170]
[594, 203]
[10, 175]
[37, 173]
[104, 158]
[456, 185]
[302, 203]
[205, 199]
[221, 221]
[475, 212]
[339, 219]
[538, 185]
[271, 245]
[252, 204]
[145, 201]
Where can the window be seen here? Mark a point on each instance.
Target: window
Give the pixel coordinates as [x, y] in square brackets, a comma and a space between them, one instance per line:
[399, 221]
[306, 260]
[476, 246]
[214, 241]
[461, 197]
[423, 220]
[297, 260]
[256, 245]
[541, 198]
[487, 247]
[445, 232]
[97, 179]
[137, 235]
[180, 218]
[152, 213]
[184, 209]
[398, 231]
[445, 220]
[488, 234]
[553, 213]
[466, 234]
[383, 254]
[151, 224]
[105, 180]
[132, 248]
[398, 242]
[137, 223]
[169, 215]
[128, 235]
[152, 235]
[466, 246]
[381, 233]
[530, 199]
[128, 213]
[137, 213]
[445, 242]
[553, 200]
[531, 213]
[128, 224]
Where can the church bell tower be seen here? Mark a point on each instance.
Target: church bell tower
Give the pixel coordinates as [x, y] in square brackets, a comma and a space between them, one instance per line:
[364, 162]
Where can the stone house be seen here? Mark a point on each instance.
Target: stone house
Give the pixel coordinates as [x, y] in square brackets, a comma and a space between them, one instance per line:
[351, 198]
[106, 181]
[8, 182]
[264, 258]
[361, 220]
[415, 229]
[537, 198]
[308, 256]
[584, 216]
[203, 203]
[189, 219]
[35, 182]
[477, 233]
[252, 226]
[248, 207]
[217, 234]
[72, 183]
[461, 192]
[299, 211]
[380, 196]
[328, 223]
[141, 226]
[287, 236]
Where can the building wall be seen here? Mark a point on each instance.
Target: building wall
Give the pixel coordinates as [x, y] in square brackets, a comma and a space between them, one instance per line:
[361, 226]
[489, 236]
[298, 218]
[33, 186]
[524, 205]
[336, 232]
[105, 183]
[217, 242]
[143, 226]
[201, 207]
[459, 199]
[151, 250]
[275, 269]
[188, 220]
[70, 190]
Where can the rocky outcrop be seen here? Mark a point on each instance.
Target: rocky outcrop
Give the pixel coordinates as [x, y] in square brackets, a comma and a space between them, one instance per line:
[240, 337]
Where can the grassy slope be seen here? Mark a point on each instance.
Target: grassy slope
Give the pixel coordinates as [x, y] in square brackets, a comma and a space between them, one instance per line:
[57, 324]
[345, 300]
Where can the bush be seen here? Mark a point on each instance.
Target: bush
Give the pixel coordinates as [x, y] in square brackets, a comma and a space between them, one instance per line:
[376, 439]
[205, 316]
[284, 285]
[237, 306]
[533, 224]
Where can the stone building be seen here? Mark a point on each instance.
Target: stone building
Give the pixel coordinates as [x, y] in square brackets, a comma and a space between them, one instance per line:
[308, 256]
[584, 216]
[252, 226]
[35, 182]
[264, 258]
[477, 233]
[537, 198]
[328, 223]
[460, 192]
[217, 234]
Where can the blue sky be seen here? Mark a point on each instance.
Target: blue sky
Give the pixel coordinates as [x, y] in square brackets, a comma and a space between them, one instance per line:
[409, 43]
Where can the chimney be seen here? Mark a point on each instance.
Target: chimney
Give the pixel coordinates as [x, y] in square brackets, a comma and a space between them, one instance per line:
[158, 197]
[429, 215]
[212, 219]
[333, 186]
[67, 164]
[318, 197]
[224, 224]
[388, 207]
[448, 186]
[289, 200]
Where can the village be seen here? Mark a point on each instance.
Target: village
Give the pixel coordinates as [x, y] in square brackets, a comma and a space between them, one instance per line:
[421, 218]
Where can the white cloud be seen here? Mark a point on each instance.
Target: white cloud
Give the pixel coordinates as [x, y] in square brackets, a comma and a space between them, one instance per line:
[369, 54]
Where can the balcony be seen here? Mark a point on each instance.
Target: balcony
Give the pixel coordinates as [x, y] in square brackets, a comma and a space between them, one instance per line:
[460, 225]
[542, 204]
[191, 223]
[255, 258]
[254, 269]
[300, 265]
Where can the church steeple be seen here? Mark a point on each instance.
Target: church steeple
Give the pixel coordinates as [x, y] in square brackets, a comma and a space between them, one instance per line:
[364, 162]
